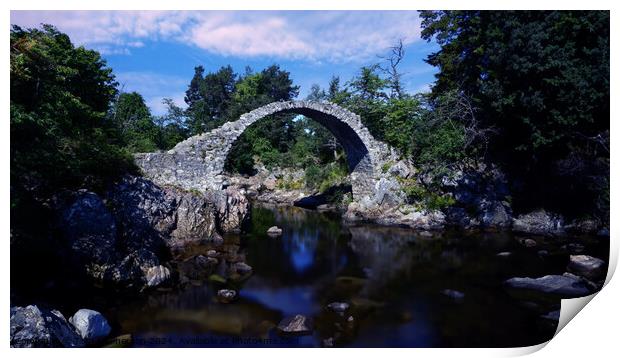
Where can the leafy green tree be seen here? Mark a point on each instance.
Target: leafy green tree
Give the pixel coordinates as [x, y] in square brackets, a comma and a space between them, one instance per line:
[172, 126]
[60, 94]
[195, 100]
[316, 94]
[208, 97]
[541, 80]
[365, 95]
[133, 119]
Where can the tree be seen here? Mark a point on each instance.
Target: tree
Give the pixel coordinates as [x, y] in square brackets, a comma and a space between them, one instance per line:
[133, 119]
[541, 79]
[397, 53]
[194, 98]
[172, 126]
[60, 94]
[208, 97]
[316, 94]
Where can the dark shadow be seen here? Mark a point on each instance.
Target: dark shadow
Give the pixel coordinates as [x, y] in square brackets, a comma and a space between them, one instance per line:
[332, 195]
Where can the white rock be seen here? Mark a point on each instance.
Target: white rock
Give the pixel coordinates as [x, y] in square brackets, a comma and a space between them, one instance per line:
[91, 325]
[586, 266]
[157, 275]
[274, 231]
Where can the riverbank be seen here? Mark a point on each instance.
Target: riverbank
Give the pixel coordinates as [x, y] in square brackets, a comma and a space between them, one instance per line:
[472, 197]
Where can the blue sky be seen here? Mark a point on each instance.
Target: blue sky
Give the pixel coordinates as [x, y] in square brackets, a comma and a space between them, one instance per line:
[155, 52]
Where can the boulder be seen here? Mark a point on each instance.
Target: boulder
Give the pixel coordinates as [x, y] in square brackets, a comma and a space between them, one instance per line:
[242, 268]
[152, 217]
[274, 231]
[32, 327]
[232, 208]
[295, 325]
[529, 243]
[89, 231]
[584, 226]
[561, 285]
[157, 275]
[589, 267]
[144, 212]
[91, 325]
[195, 219]
[389, 192]
[539, 222]
[495, 214]
[226, 296]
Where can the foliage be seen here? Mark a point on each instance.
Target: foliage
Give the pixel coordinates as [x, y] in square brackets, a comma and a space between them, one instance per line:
[133, 120]
[429, 199]
[172, 126]
[540, 79]
[60, 137]
[208, 98]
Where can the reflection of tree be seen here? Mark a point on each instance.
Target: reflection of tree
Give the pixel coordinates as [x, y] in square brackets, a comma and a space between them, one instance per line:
[308, 249]
[384, 256]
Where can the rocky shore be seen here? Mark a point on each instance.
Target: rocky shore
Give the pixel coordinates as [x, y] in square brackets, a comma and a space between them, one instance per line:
[137, 236]
[477, 195]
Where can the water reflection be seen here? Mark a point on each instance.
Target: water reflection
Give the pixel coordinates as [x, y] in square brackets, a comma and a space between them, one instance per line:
[393, 279]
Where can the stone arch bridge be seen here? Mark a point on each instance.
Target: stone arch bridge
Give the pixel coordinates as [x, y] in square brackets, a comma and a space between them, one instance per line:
[198, 162]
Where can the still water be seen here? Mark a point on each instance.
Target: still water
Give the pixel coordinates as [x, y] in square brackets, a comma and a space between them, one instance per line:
[393, 278]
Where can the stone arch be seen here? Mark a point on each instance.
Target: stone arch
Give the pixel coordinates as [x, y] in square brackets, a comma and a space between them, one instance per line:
[198, 162]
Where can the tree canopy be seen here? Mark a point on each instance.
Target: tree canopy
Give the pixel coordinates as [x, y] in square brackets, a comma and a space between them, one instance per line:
[540, 79]
[60, 95]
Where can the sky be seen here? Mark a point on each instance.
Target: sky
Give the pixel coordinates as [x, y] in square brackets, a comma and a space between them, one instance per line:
[155, 52]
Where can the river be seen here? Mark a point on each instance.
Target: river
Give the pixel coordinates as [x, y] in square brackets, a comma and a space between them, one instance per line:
[393, 278]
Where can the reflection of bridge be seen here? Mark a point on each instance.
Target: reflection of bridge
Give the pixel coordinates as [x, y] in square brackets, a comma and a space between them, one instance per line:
[198, 162]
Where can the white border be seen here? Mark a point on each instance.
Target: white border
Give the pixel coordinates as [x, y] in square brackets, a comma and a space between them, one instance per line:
[593, 331]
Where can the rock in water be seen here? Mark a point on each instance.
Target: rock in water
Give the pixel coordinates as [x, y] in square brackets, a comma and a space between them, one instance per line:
[562, 285]
[226, 296]
[242, 268]
[495, 214]
[32, 327]
[274, 231]
[157, 275]
[539, 222]
[453, 294]
[586, 266]
[338, 307]
[91, 325]
[295, 325]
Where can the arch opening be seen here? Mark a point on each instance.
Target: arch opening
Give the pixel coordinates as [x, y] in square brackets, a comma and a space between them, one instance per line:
[354, 149]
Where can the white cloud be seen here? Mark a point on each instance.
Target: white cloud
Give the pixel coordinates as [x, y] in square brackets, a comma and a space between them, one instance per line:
[154, 88]
[332, 36]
